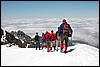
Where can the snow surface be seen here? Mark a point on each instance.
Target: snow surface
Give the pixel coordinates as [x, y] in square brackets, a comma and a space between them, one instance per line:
[81, 55]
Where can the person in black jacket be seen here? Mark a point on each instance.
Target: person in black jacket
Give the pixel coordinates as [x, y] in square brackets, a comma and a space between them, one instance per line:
[37, 41]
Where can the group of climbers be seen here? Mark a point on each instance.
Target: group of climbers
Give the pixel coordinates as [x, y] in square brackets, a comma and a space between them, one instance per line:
[53, 40]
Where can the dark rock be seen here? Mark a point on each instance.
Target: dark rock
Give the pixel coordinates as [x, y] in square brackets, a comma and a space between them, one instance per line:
[30, 46]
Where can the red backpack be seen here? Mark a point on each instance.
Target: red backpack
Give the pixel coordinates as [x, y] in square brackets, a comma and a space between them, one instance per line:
[53, 37]
[66, 29]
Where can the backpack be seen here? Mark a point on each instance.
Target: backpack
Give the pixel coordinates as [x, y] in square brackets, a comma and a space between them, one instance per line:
[66, 29]
[53, 37]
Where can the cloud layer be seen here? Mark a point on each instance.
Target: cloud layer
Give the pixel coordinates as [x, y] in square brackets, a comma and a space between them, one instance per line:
[85, 29]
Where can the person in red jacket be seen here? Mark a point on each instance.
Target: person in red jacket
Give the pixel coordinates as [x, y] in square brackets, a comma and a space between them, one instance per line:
[52, 40]
[47, 37]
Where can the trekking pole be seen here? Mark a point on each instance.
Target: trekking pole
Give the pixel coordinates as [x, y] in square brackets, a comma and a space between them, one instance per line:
[71, 40]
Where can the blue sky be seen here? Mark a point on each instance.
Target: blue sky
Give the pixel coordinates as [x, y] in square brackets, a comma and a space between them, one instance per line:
[49, 9]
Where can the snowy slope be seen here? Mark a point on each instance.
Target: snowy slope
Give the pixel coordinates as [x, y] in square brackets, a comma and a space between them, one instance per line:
[81, 55]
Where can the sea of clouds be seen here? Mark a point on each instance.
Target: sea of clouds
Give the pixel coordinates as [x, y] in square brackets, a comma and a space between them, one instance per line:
[85, 30]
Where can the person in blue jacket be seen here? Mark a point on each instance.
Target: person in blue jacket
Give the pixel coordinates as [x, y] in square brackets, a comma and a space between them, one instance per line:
[64, 32]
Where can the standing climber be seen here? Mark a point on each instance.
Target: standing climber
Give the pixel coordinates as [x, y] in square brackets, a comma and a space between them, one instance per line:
[64, 32]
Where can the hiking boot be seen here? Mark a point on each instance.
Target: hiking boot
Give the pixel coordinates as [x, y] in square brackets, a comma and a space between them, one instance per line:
[42, 48]
[65, 51]
[61, 50]
[56, 49]
[48, 50]
[39, 49]
[36, 48]
[51, 48]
